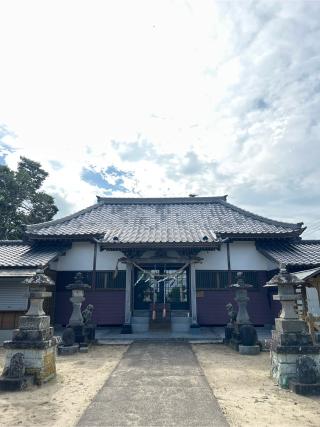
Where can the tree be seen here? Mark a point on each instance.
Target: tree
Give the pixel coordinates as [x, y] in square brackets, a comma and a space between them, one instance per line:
[21, 201]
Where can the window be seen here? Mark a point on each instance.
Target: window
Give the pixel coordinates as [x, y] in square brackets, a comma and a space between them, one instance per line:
[104, 279]
[108, 280]
[212, 279]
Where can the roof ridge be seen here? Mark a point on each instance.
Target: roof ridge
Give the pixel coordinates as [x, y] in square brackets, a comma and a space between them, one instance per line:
[262, 218]
[31, 227]
[159, 200]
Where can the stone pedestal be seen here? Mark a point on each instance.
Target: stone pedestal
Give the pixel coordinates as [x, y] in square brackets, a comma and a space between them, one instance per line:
[64, 350]
[249, 350]
[33, 342]
[304, 389]
[290, 339]
[228, 331]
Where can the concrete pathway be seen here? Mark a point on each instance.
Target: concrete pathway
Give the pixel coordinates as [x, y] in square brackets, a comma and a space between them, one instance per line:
[155, 384]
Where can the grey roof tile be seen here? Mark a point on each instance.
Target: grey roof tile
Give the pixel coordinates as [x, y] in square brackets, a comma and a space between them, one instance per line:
[163, 220]
[16, 253]
[303, 252]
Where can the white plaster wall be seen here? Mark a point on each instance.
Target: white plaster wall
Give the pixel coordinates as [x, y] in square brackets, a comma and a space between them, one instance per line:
[244, 256]
[213, 260]
[313, 301]
[107, 260]
[80, 257]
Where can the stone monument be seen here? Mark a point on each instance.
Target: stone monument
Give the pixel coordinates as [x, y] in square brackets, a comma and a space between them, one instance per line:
[244, 336]
[291, 338]
[32, 350]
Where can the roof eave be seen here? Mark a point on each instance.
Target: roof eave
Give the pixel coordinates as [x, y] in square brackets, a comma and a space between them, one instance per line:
[65, 237]
[149, 245]
[246, 236]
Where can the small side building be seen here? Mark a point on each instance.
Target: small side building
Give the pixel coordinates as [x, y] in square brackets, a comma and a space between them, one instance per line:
[18, 261]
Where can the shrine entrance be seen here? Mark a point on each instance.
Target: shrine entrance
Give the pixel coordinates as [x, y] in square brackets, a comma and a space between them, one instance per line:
[170, 289]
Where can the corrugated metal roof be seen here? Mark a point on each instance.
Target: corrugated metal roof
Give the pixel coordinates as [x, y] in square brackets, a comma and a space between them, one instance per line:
[16, 253]
[21, 272]
[307, 274]
[303, 252]
[163, 220]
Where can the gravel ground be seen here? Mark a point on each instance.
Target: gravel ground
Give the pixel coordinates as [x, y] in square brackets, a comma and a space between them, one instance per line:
[247, 394]
[61, 401]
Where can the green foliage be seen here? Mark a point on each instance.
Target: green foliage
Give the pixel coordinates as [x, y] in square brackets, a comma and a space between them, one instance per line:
[21, 202]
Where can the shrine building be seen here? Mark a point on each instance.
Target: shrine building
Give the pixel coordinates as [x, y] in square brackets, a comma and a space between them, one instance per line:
[174, 257]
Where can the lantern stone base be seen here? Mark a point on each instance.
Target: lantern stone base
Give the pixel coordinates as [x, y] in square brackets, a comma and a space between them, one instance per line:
[228, 331]
[284, 366]
[304, 389]
[16, 384]
[39, 363]
[67, 350]
[286, 348]
[249, 350]
[79, 333]
[35, 340]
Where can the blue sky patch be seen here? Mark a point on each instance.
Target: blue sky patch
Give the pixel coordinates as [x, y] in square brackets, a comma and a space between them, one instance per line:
[100, 179]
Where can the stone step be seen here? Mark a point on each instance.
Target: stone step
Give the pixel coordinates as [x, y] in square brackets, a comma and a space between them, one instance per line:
[180, 320]
[180, 324]
[140, 320]
[140, 313]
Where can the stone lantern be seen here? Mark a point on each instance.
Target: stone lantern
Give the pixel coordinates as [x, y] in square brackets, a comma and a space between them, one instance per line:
[291, 339]
[38, 285]
[33, 344]
[244, 336]
[76, 320]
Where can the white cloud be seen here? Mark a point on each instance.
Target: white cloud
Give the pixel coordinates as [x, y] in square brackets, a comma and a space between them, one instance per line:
[185, 97]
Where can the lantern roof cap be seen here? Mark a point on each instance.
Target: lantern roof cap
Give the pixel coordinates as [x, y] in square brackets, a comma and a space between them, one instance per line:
[284, 278]
[39, 279]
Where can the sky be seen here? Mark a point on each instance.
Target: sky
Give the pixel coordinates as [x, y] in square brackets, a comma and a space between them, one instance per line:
[166, 98]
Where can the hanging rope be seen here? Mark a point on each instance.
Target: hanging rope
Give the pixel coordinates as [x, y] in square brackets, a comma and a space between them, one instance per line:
[152, 278]
[165, 276]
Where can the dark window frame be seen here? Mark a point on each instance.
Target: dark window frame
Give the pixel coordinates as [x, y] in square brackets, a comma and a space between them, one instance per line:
[66, 277]
[220, 279]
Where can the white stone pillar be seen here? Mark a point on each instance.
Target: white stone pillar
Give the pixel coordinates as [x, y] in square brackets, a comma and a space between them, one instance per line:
[193, 293]
[127, 313]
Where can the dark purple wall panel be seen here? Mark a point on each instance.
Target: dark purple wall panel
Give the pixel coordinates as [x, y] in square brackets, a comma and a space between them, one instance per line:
[212, 307]
[108, 307]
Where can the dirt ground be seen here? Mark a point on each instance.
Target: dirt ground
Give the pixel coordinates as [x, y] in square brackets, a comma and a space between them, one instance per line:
[246, 393]
[61, 401]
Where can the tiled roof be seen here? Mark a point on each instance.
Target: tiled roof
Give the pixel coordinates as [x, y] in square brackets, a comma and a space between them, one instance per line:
[303, 252]
[15, 253]
[163, 220]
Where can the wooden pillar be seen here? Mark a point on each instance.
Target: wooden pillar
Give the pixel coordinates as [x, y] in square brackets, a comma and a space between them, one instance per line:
[94, 266]
[126, 328]
[193, 293]
[229, 265]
